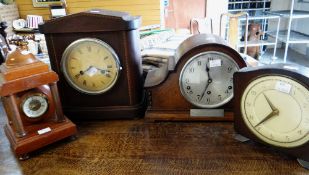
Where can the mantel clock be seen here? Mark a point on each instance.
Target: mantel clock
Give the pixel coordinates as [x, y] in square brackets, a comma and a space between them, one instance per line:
[97, 56]
[272, 107]
[32, 104]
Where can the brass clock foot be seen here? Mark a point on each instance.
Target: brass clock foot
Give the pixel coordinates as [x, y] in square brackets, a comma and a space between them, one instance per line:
[23, 157]
[303, 163]
[241, 138]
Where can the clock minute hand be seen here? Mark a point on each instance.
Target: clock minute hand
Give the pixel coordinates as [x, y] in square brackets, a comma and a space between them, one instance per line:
[273, 113]
[208, 82]
[273, 108]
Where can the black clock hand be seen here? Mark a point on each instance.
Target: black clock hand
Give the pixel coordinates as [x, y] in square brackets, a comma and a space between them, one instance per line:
[82, 72]
[273, 108]
[208, 81]
[273, 113]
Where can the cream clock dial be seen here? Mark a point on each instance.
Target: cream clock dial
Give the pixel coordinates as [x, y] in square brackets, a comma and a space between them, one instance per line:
[276, 110]
[206, 80]
[90, 66]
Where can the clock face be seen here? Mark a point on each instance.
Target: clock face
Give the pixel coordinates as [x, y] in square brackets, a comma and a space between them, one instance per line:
[35, 105]
[206, 80]
[276, 110]
[90, 66]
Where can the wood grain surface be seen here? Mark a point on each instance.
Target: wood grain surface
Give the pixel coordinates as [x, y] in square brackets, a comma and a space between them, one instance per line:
[139, 147]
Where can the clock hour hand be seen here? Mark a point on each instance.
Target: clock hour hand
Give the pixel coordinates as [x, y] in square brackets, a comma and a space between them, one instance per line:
[208, 82]
[273, 113]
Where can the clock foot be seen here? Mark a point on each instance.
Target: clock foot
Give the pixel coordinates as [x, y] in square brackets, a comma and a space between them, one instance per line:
[303, 163]
[23, 157]
[73, 137]
[241, 138]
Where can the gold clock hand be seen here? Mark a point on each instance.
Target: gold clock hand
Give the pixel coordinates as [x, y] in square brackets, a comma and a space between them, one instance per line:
[273, 113]
[273, 108]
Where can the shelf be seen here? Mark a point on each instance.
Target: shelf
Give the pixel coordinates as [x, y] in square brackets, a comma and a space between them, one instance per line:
[295, 37]
[286, 13]
[256, 43]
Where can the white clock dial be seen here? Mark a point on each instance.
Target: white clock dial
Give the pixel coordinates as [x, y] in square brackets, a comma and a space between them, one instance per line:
[206, 80]
[35, 106]
[276, 109]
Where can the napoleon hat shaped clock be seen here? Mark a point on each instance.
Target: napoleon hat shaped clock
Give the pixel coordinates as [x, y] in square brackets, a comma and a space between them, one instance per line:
[272, 107]
[97, 56]
[200, 86]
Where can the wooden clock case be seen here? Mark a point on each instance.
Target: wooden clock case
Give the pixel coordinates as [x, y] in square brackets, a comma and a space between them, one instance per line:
[117, 29]
[23, 78]
[243, 78]
[165, 99]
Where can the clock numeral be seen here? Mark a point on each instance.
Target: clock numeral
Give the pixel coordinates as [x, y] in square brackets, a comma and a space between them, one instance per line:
[72, 67]
[210, 59]
[190, 92]
[287, 138]
[89, 48]
[80, 51]
[220, 97]
[208, 100]
[187, 80]
[93, 85]
[229, 69]
[253, 93]
[105, 58]
[198, 97]
[77, 76]
[191, 70]
[300, 132]
[199, 63]
[102, 82]
[248, 104]
[85, 83]
[108, 75]
[227, 91]
[109, 66]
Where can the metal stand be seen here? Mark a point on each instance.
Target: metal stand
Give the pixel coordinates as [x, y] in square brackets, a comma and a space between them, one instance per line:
[303, 163]
[241, 138]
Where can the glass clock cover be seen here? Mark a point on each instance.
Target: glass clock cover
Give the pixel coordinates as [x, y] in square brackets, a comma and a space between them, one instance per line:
[35, 106]
[90, 66]
[206, 80]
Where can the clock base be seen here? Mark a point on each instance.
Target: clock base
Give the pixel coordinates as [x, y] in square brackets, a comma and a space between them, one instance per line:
[171, 115]
[33, 141]
[303, 163]
[241, 138]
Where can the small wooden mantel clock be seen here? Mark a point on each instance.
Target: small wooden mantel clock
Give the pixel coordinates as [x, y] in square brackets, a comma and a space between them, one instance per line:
[97, 57]
[31, 101]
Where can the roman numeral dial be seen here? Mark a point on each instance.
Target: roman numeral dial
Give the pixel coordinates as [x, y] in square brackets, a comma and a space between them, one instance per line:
[90, 66]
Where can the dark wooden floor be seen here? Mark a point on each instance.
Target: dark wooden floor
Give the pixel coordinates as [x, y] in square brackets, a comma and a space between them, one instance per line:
[139, 147]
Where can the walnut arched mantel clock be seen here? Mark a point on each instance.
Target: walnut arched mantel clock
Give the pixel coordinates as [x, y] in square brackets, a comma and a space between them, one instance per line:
[97, 56]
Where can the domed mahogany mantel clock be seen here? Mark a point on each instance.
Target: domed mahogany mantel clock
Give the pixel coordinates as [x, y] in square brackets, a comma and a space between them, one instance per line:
[97, 56]
[31, 101]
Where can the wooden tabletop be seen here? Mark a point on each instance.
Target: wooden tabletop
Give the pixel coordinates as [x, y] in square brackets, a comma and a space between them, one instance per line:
[141, 147]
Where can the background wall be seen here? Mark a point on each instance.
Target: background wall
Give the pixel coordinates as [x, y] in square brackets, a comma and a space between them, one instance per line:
[148, 9]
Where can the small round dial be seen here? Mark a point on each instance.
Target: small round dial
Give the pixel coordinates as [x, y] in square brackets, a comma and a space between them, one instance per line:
[276, 110]
[35, 105]
[206, 80]
[90, 66]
